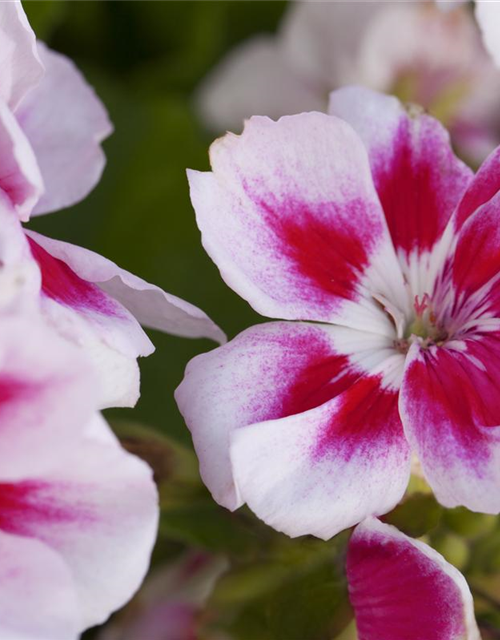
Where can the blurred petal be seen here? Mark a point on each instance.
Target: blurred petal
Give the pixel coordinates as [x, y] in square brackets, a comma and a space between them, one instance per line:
[401, 588]
[97, 508]
[65, 123]
[451, 417]
[20, 177]
[291, 218]
[268, 433]
[20, 66]
[97, 305]
[38, 598]
[46, 393]
[254, 79]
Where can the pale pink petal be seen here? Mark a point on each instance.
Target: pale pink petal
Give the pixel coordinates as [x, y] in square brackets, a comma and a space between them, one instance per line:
[65, 123]
[97, 305]
[97, 508]
[38, 600]
[20, 66]
[451, 417]
[488, 18]
[46, 393]
[267, 431]
[254, 79]
[291, 218]
[19, 273]
[418, 178]
[401, 588]
[20, 177]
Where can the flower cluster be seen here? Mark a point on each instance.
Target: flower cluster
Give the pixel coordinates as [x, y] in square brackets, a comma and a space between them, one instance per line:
[78, 515]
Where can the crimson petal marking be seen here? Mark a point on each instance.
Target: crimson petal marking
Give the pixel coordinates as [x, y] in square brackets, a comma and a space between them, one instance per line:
[324, 470]
[485, 184]
[476, 260]
[401, 588]
[267, 372]
[418, 178]
[291, 218]
[451, 415]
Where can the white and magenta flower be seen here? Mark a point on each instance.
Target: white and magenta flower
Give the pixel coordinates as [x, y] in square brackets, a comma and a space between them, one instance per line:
[411, 49]
[401, 588]
[51, 127]
[78, 515]
[381, 250]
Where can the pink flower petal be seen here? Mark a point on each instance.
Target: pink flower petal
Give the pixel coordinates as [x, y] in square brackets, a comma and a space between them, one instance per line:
[46, 393]
[485, 184]
[94, 303]
[65, 123]
[476, 289]
[451, 417]
[20, 66]
[281, 418]
[418, 178]
[97, 508]
[291, 218]
[246, 84]
[20, 177]
[38, 596]
[401, 588]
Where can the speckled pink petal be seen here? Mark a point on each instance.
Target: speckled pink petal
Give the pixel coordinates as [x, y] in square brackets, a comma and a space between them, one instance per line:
[65, 123]
[417, 176]
[291, 218]
[401, 588]
[298, 421]
[451, 417]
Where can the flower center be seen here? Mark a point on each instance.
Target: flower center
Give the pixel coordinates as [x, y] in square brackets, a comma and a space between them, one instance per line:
[424, 328]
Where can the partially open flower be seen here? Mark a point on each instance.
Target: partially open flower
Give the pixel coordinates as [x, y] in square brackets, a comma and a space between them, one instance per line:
[386, 248]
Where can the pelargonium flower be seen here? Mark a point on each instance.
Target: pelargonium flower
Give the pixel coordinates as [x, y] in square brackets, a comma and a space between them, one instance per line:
[401, 588]
[78, 515]
[381, 249]
[51, 127]
[411, 49]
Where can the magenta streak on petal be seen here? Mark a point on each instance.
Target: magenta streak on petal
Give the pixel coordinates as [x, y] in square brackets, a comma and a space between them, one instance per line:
[398, 593]
[451, 397]
[29, 506]
[62, 284]
[326, 243]
[410, 194]
[367, 413]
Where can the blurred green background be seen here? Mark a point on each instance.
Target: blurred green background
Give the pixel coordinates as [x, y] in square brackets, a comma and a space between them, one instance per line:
[145, 59]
